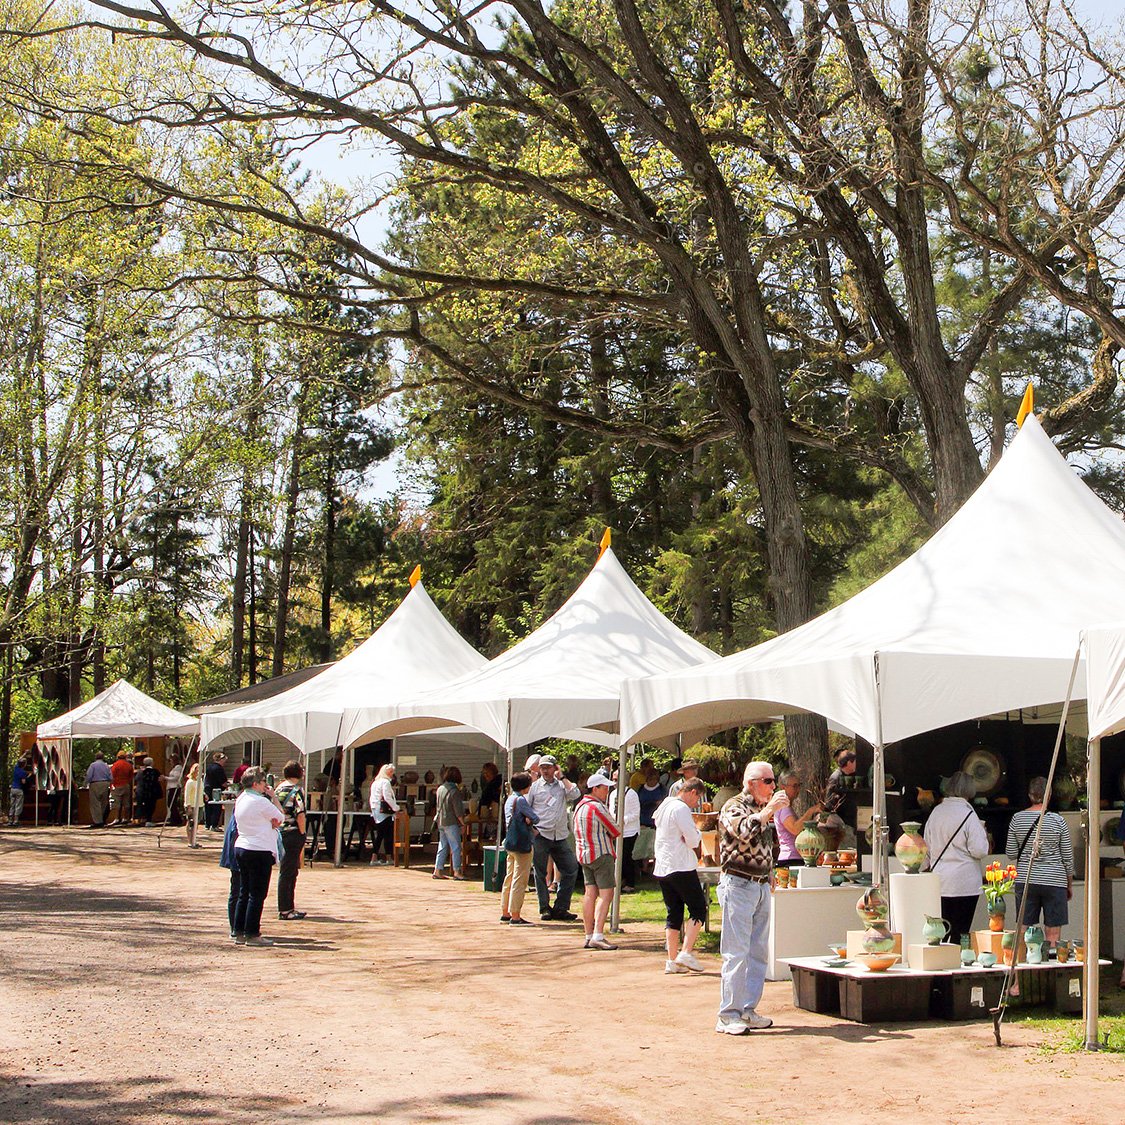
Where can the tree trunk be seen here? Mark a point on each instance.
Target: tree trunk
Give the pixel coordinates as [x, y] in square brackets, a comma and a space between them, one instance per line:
[328, 578]
[288, 537]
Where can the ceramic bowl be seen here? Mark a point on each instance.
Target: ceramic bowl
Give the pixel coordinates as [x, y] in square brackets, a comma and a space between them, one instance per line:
[877, 962]
[986, 960]
[839, 949]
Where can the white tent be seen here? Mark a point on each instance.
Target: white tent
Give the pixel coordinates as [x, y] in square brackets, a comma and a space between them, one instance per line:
[121, 711]
[1105, 679]
[565, 675]
[984, 618]
[414, 649]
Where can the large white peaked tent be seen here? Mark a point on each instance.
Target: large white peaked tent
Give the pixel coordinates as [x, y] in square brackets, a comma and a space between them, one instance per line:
[121, 711]
[565, 675]
[984, 618]
[414, 649]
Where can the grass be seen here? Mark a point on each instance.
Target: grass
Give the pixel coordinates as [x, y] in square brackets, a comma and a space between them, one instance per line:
[647, 905]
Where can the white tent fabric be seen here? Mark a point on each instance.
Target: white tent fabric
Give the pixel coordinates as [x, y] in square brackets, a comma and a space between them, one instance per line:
[565, 675]
[984, 618]
[121, 711]
[1105, 680]
[414, 649]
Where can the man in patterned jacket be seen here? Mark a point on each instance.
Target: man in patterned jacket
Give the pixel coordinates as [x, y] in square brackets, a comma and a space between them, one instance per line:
[746, 862]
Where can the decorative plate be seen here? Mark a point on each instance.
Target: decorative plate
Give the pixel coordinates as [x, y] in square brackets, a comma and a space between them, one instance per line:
[986, 768]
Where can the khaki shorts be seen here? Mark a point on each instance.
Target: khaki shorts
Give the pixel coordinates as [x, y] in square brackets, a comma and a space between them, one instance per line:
[600, 873]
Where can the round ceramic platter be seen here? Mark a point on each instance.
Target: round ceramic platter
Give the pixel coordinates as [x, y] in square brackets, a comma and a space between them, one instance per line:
[986, 768]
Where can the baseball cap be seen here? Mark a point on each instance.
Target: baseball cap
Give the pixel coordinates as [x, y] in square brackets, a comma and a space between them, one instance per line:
[689, 763]
[534, 760]
[548, 760]
[598, 779]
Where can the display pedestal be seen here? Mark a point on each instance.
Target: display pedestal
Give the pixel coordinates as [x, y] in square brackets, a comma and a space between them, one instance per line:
[933, 958]
[992, 941]
[912, 898]
[810, 878]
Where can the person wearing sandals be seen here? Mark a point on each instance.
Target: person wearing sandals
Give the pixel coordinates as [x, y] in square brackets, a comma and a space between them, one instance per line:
[449, 817]
[519, 842]
[383, 809]
[259, 816]
[291, 799]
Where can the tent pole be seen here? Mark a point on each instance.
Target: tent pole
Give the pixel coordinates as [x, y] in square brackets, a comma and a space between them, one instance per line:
[69, 782]
[880, 830]
[618, 863]
[1093, 891]
[338, 861]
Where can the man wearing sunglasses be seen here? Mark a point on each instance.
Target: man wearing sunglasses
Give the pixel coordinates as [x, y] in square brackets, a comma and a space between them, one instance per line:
[746, 861]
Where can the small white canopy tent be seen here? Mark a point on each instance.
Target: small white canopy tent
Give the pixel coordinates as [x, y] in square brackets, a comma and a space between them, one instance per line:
[565, 675]
[121, 711]
[415, 648]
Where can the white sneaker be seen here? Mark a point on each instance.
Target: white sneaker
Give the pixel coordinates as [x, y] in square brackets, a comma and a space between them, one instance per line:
[731, 1027]
[599, 942]
[689, 961]
[756, 1022]
[673, 967]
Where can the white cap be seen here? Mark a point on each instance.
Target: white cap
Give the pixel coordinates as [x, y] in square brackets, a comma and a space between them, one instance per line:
[532, 761]
[596, 779]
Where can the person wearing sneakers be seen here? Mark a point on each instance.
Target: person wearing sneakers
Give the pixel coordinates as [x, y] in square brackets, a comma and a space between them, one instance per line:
[676, 870]
[594, 833]
[746, 865]
[259, 816]
[519, 841]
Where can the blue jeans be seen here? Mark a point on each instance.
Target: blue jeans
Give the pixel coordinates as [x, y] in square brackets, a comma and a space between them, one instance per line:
[566, 863]
[744, 944]
[449, 841]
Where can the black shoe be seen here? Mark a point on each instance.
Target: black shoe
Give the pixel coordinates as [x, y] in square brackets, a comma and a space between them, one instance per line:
[564, 916]
[547, 915]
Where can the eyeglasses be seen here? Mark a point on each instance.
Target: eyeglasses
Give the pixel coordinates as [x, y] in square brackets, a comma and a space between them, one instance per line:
[764, 780]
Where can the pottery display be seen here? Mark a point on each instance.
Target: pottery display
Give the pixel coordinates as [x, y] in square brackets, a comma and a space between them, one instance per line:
[1062, 952]
[839, 949]
[967, 954]
[832, 829]
[910, 848]
[935, 930]
[877, 962]
[996, 914]
[926, 798]
[872, 906]
[809, 844]
[847, 857]
[986, 960]
[986, 768]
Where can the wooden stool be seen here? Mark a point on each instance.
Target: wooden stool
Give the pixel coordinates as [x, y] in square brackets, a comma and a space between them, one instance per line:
[400, 846]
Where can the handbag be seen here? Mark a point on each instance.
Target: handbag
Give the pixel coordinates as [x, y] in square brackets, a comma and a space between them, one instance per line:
[518, 836]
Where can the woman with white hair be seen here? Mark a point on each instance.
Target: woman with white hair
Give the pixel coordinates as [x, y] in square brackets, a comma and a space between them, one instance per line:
[383, 810]
[957, 842]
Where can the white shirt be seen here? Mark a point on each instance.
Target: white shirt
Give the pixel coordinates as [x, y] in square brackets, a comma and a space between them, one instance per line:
[548, 802]
[959, 868]
[676, 838]
[632, 825]
[174, 775]
[382, 790]
[258, 819]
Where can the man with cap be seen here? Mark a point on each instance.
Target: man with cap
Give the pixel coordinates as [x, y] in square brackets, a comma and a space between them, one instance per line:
[98, 779]
[121, 787]
[746, 863]
[549, 797]
[594, 833]
[689, 769]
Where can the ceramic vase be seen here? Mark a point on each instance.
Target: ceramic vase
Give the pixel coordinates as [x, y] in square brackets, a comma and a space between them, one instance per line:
[935, 930]
[872, 906]
[809, 844]
[967, 954]
[910, 848]
[878, 939]
[996, 912]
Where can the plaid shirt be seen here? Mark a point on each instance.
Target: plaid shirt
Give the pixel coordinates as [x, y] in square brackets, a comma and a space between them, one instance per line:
[594, 830]
[745, 842]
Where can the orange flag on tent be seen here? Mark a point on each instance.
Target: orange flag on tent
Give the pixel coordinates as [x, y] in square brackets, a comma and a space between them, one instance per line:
[1027, 406]
[604, 544]
[416, 576]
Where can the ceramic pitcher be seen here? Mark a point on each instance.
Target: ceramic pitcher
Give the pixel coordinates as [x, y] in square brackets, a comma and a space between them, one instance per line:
[935, 931]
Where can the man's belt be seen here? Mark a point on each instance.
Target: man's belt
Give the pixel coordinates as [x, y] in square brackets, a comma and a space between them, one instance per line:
[750, 878]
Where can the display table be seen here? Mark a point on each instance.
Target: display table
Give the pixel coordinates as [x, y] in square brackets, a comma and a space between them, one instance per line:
[900, 994]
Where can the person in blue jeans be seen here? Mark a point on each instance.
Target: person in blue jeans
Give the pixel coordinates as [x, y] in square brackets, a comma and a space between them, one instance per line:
[15, 799]
[449, 817]
[229, 860]
[746, 863]
[549, 798]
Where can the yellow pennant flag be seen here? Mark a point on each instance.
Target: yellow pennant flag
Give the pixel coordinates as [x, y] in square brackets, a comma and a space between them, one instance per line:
[416, 576]
[604, 544]
[1027, 406]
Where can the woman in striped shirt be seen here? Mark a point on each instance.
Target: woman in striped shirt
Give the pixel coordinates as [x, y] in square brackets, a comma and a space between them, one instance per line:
[1049, 879]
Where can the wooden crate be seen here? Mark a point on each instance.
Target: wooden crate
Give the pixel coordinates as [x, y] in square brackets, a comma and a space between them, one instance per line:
[969, 995]
[815, 991]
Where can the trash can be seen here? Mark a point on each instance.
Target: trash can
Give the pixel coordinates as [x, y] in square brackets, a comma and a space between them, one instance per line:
[495, 864]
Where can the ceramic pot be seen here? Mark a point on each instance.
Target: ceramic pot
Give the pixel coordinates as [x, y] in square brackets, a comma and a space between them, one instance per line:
[872, 906]
[967, 954]
[1062, 952]
[878, 939]
[809, 844]
[996, 914]
[910, 848]
[1034, 953]
[935, 930]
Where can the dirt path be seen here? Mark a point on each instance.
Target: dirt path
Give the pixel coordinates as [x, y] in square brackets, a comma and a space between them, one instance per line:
[122, 1000]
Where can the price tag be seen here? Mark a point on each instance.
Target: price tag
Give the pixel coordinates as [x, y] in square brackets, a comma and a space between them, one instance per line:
[976, 996]
[1074, 986]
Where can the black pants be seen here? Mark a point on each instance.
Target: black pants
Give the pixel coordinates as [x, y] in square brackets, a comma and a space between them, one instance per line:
[958, 911]
[254, 871]
[384, 836]
[567, 866]
[293, 840]
[212, 813]
[628, 867]
[235, 888]
[681, 889]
